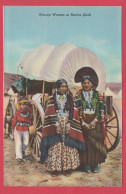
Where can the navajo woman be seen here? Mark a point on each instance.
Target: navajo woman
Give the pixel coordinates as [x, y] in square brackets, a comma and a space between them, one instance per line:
[62, 137]
[92, 114]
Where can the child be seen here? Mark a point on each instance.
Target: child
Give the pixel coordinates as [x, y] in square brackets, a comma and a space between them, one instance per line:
[20, 127]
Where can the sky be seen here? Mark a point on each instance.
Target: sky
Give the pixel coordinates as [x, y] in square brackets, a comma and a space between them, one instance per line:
[97, 28]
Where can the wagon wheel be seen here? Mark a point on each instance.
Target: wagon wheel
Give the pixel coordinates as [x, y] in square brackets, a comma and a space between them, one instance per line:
[10, 111]
[113, 129]
[36, 129]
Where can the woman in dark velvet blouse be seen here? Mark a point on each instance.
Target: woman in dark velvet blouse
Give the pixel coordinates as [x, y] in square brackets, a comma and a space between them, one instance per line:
[90, 106]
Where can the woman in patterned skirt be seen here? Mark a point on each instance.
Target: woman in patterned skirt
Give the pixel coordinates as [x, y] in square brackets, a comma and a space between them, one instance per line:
[62, 137]
[90, 106]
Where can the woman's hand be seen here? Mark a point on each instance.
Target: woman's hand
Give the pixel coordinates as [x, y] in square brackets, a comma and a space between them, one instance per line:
[58, 129]
[86, 125]
[93, 123]
[67, 128]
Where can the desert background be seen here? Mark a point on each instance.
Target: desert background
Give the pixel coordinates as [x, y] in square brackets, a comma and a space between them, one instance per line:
[32, 173]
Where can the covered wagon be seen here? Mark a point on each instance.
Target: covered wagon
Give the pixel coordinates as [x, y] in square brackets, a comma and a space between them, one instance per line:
[49, 63]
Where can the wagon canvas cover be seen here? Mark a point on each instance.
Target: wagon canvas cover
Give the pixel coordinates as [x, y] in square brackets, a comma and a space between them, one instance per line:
[49, 63]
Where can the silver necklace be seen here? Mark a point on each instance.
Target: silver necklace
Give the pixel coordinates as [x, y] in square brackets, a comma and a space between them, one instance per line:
[88, 96]
[61, 101]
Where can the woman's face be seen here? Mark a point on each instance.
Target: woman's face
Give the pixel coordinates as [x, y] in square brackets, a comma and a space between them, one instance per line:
[87, 85]
[62, 89]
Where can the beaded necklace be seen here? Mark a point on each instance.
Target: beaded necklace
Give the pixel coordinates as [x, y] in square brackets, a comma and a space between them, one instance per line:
[22, 115]
[61, 101]
[88, 96]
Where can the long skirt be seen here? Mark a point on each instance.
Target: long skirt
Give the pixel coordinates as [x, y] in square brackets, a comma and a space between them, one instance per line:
[61, 157]
[95, 148]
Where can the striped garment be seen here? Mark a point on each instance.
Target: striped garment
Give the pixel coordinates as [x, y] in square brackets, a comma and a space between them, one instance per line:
[49, 135]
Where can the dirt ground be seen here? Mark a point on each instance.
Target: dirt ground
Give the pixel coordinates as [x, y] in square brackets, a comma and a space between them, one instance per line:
[32, 173]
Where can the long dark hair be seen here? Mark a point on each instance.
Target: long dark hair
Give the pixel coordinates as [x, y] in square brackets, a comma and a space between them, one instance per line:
[86, 77]
[59, 83]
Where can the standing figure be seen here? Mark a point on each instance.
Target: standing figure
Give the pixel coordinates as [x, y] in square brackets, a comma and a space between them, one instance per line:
[91, 109]
[62, 137]
[20, 127]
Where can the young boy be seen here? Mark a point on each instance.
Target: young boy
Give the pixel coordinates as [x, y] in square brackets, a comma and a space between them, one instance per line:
[20, 127]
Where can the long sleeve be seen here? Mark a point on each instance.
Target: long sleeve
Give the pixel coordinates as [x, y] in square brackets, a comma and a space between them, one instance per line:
[71, 109]
[20, 118]
[14, 120]
[97, 111]
[29, 117]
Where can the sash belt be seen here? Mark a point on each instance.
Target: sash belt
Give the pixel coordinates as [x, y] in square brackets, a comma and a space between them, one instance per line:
[89, 110]
[23, 124]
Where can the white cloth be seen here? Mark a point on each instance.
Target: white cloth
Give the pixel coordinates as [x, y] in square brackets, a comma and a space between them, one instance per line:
[89, 110]
[21, 142]
[37, 100]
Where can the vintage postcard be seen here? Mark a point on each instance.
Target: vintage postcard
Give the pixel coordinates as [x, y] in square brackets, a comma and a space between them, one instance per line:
[63, 90]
